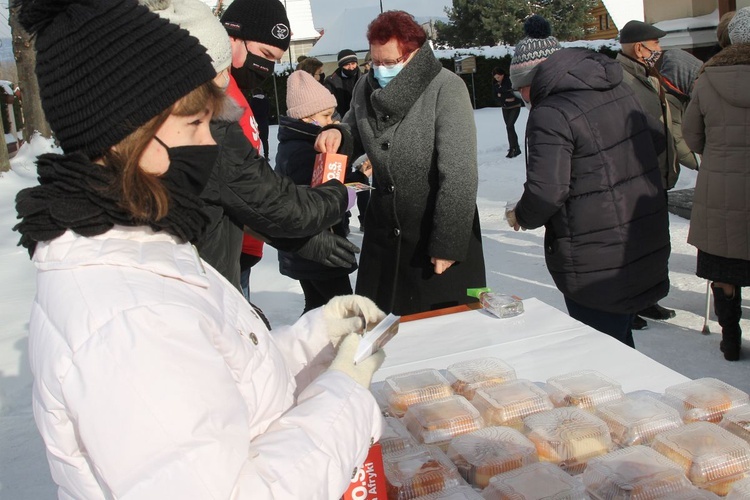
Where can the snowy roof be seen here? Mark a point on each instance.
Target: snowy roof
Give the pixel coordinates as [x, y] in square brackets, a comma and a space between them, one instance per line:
[622, 11]
[348, 31]
[689, 31]
[501, 51]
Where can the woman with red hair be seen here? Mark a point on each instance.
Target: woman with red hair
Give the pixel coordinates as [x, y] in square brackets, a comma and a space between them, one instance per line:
[414, 120]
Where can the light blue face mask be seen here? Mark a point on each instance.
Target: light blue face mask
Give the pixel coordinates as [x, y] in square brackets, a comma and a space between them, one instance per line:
[384, 75]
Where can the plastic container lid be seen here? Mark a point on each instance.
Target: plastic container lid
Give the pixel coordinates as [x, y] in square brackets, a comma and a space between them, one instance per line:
[705, 399]
[637, 472]
[740, 490]
[395, 437]
[419, 471]
[458, 493]
[636, 420]
[406, 389]
[467, 376]
[376, 388]
[584, 389]
[568, 437]
[737, 421]
[508, 404]
[535, 482]
[437, 422]
[712, 457]
[482, 454]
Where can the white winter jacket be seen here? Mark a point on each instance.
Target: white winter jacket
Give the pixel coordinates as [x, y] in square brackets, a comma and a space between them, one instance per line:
[154, 379]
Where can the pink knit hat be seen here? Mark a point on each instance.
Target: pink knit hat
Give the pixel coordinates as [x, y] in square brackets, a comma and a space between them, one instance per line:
[305, 96]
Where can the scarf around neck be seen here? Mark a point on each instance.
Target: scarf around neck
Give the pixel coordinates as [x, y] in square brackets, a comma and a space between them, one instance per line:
[76, 194]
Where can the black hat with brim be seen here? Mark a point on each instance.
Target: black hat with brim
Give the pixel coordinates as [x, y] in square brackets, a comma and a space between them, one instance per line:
[638, 31]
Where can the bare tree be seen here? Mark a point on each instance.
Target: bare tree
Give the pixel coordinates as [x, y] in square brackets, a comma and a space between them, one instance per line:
[23, 48]
[4, 158]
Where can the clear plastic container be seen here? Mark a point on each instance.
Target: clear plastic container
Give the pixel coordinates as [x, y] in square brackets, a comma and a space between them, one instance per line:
[437, 422]
[712, 457]
[458, 493]
[635, 420]
[740, 490]
[395, 436]
[376, 388]
[637, 472]
[419, 471]
[466, 377]
[737, 422]
[584, 389]
[406, 389]
[568, 437]
[482, 454]
[535, 482]
[705, 399]
[508, 404]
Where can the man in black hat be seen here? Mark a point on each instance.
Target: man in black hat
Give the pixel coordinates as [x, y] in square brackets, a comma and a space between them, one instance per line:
[640, 51]
[341, 82]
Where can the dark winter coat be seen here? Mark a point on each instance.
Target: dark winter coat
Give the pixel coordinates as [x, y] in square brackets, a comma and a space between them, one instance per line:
[420, 136]
[295, 158]
[504, 95]
[716, 125]
[647, 87]
[244, 191]
[593, 181]
[342, 88]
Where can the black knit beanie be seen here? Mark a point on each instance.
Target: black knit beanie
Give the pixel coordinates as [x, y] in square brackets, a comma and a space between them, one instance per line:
[106, 67]
[346, 56]
[263, 21]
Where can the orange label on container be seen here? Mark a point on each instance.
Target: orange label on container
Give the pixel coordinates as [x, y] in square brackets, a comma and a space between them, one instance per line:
[329, 166]
[369, 481]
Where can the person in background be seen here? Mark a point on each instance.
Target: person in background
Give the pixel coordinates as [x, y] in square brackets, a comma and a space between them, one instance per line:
[313, 66]
[502, 88]
[422, 246]
[153, 377]
[639, 55]
[261, 107]
[714, 126]
[679, 69]
[722, 33]
[309, 108]
[592, 180]
[366, 64]
[341, 83]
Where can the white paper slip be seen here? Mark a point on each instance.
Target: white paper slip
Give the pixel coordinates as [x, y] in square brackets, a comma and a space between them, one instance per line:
[376, 338]
[359, 186]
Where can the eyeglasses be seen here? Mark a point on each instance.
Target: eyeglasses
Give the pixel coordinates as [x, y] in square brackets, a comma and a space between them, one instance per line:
[390, 63]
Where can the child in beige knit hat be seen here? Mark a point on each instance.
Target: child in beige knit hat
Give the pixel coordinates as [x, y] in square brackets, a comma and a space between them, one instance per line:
[308, 100]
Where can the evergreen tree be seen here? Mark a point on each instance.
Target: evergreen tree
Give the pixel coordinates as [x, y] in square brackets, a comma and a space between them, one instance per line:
[475, 23]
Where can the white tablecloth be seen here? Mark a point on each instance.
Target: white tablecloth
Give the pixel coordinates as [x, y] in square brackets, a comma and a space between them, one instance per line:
[540, 343]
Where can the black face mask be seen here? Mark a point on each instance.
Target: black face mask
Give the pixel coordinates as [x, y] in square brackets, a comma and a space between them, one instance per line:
[349, 72]
[254, 72]
[189, 167]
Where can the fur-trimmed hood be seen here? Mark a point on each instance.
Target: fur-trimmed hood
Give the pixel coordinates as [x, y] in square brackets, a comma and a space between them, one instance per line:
[728, 73]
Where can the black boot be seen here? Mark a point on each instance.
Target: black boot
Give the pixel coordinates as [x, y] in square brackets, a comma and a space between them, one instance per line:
[729, 312]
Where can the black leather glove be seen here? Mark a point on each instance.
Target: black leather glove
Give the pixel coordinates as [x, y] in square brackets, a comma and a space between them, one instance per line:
[329, 249]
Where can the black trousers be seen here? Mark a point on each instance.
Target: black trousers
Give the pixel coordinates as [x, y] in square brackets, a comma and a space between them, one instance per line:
[511, 116]
[613, 324]
[319, 292]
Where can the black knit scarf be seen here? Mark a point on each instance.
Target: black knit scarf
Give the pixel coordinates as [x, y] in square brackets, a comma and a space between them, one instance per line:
[76, 194]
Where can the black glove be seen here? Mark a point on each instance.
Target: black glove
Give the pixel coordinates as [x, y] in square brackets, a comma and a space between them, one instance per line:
[330, 250]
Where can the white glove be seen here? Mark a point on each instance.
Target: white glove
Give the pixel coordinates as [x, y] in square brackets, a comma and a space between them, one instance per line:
[344, 361]
[349, 313]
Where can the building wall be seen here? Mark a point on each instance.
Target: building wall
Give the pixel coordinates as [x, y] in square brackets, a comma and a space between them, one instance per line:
[603, 28]
[659, 10]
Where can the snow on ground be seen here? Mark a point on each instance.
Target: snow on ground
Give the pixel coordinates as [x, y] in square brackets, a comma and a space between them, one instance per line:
[515, 264]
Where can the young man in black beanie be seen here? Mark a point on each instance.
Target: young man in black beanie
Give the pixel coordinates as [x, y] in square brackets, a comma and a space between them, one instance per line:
[341, 83]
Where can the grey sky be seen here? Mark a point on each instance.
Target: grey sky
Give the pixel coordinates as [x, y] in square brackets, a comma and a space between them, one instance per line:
[326, 11]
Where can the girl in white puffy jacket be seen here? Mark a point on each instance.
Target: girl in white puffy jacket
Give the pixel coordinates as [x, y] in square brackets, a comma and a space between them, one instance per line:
[153, 377]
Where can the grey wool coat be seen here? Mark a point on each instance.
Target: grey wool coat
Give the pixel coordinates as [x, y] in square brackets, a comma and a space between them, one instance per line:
[420, 136]
[716, 125]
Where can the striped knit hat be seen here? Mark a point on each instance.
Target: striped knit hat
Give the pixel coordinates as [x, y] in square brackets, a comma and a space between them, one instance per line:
[533, 49]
